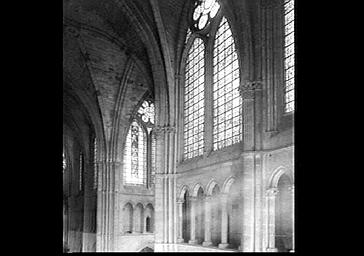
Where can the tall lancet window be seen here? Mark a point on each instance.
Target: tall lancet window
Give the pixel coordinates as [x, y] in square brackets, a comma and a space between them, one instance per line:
[227, 103]
[212, 102]
[194, 100]
[135, 155]
[289, 53]
[139, 147]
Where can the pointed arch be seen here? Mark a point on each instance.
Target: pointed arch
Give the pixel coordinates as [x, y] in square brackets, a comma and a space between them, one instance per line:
[196, 189]
[183, 191]
[210, 187]
[228, 184]
[277, 174]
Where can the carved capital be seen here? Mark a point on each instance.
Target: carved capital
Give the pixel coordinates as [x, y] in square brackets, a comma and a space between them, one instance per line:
[208, 198]
[291, 188]
[272, 192]
[247, 90]
[180, 201]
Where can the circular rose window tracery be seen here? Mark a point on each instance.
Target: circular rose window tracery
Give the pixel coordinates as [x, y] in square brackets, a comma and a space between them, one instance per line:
[204, 12]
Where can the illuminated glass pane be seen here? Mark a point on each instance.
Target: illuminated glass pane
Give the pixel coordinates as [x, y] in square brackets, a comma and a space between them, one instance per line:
[135, 158]
[146, 112]
[205, 10]
[153, 164]
[226, 101]
[202, 22]
[194, 100]
[289, 55]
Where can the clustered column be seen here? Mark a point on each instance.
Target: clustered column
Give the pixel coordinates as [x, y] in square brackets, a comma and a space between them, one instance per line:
[292, 191]
[271, 197]
[180, 222]
[208, 221]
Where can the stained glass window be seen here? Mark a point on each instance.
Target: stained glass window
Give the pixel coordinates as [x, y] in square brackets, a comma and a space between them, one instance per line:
[227, 103]
[194, 102]
[188, 35]
[153, 156]
[146, 112]
[135, 155]
[289, 53]
[204, 11]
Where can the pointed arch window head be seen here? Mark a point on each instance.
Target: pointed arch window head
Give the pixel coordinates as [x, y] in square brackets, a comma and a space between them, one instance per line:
[135, 155]
[204, 11]
[227, 103]
[146, 112]
[194, 102]
[289, 54]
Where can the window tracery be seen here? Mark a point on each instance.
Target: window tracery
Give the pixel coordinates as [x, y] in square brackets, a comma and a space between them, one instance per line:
[223, 66]
[204, 11]
[289, 54]
[139, 151]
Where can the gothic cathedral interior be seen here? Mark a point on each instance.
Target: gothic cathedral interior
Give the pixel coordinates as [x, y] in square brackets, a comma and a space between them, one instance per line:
[178, 125]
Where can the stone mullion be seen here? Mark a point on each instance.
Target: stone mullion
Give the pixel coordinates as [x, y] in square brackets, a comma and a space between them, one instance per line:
[208, 86]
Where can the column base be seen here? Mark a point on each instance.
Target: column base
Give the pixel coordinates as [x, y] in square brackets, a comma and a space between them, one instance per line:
[223, 245]
[291, 250]
[192, 242]
[272, 250]
[207, 243]
[180, 240]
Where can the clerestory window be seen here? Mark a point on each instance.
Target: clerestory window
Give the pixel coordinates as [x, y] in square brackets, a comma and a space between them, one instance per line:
[212, 78]
[289, 54]
[139, 151]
